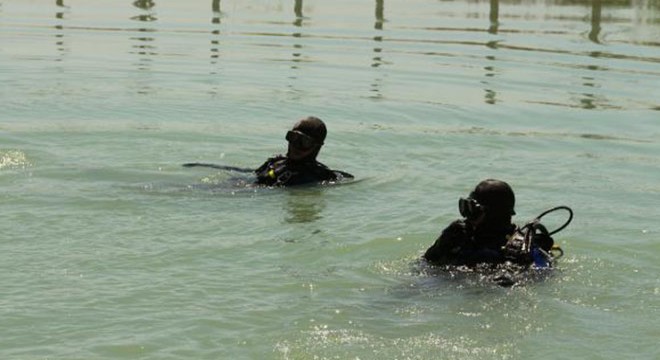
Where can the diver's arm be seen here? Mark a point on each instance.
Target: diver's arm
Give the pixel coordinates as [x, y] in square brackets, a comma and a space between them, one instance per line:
[219, 167]
[447, 247]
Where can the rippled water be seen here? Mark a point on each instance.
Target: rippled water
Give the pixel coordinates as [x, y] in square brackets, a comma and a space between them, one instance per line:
[111, 250]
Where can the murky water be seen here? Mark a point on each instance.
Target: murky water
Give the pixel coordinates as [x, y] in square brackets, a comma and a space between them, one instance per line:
[110, 249]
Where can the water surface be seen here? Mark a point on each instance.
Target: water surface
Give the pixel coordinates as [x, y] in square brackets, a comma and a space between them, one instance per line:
[112, 250]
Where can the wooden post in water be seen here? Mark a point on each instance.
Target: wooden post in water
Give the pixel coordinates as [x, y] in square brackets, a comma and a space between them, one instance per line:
[379, 15]
[494, 16]
[596, 10]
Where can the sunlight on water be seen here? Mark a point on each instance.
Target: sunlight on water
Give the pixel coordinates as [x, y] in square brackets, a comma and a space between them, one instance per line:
[13, 159]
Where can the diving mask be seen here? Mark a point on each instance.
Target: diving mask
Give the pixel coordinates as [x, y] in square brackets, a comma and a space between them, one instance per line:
[469, 208]
[300, 140]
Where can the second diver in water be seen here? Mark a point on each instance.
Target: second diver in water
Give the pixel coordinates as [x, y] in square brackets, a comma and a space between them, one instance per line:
[300, 166]
[486, 234]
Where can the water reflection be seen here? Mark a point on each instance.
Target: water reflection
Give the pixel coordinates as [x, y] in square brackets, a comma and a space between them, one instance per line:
[380, 14]
[595, 21]
[298, 22]
[378, 25]
[144, 44]
[503, 28]
[216, 37]
[59, 27]
[215, 7]
[60, 4]
[304, 205]
[146, 5]
[592, 14]
[297, 54]
[377, 59]
[215, 41]
[298, 10]
[490, 96]
[494, 16]
[589, 100]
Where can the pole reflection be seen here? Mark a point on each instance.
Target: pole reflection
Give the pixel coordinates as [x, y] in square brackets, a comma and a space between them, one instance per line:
[59, 27]
[380, 14]
[215, 33]
[628, 22]
[297, 54]
[589, 99]
[494, 16]
[490, 97]
[145, 5]
[144, 44]
[378, 25]
[217, 13]
[216, 22]
[595, 21]
[298, 10]
[377, 59]
[60, 4]
[298, 23]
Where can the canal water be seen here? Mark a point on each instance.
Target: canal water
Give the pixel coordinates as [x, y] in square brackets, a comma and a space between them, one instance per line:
[110, 249]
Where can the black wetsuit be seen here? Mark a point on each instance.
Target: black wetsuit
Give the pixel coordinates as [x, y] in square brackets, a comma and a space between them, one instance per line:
[281, 171]
[461, 244]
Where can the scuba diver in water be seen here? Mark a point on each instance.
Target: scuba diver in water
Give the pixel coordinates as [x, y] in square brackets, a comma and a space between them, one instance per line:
[487, 235]
[300, 166]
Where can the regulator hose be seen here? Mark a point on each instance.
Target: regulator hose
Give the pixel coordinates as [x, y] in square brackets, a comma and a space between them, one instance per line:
[547, 250]
[562, 207]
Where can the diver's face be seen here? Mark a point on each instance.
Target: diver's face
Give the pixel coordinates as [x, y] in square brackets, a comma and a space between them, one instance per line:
[301, 146]
[296, 153]
[494, 219]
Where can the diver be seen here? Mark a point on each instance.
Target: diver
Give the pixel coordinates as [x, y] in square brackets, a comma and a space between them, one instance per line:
[300, 166]
[486, 235]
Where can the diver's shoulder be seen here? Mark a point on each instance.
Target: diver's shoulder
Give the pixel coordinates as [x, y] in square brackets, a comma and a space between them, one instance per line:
[457, 225]
[275, 158]
[339, 174]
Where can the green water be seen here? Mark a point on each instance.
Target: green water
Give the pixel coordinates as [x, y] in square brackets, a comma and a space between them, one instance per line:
[111, 250]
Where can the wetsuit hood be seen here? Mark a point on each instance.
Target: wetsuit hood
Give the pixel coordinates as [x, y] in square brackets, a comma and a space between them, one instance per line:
[312, 127]
[496, 196]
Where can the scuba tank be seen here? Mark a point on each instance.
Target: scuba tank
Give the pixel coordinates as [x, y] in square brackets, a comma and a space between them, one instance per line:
[532, 244]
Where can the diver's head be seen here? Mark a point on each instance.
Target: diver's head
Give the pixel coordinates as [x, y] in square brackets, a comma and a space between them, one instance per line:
[305, 139]
[492, 201]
